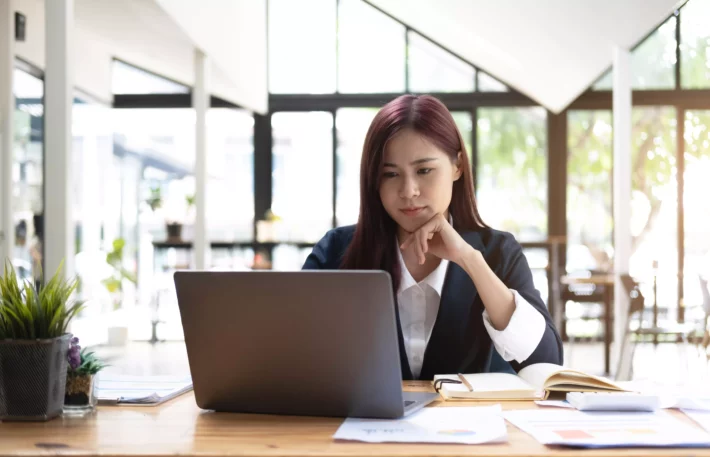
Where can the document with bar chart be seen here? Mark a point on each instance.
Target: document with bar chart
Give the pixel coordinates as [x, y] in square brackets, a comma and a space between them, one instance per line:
[607, 429]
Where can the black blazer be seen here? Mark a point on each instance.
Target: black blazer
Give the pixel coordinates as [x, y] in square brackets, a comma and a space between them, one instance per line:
[459, 342]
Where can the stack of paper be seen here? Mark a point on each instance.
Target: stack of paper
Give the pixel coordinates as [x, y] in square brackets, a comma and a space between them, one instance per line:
[607, 429]
[465, 425]
[140, 390]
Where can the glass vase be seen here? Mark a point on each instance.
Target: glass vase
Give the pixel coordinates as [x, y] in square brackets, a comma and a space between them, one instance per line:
[80, 394]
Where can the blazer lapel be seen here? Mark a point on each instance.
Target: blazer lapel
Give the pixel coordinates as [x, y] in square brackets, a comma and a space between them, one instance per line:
[450, 340]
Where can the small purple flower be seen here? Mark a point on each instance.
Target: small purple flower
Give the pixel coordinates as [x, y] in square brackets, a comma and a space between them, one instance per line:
[74, 354]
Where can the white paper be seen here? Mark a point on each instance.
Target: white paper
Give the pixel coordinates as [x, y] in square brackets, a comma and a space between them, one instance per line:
[464, 425]
[607, 429]
[701, 417]
[692, 402]
[140, 389]
[674, 396]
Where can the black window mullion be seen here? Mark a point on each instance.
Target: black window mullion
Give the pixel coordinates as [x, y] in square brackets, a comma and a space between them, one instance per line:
[335, 167]
[263, 163]
[474, 147]
[680, 160]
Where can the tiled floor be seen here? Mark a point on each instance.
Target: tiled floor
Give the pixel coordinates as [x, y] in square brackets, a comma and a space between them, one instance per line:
[665, 363]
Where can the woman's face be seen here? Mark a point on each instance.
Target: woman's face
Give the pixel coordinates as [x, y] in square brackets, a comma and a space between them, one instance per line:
[417, 180]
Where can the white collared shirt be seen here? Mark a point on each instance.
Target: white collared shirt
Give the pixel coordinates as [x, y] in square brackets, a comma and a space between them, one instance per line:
[418, 305]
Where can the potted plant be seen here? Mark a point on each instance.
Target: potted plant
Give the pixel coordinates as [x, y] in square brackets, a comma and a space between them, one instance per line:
[114, 283]
[174, 230]
[190, 202]
[33, 345]
[174, 227]
[79, 394]
[117, 330]
[155, 199]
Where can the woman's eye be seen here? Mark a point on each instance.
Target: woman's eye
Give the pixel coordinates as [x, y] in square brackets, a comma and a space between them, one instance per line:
[390, 174]
[424, 171]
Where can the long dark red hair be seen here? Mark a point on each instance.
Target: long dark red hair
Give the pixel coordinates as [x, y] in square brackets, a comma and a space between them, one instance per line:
[373, 246]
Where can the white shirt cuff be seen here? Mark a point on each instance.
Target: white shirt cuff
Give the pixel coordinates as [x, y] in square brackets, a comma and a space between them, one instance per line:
[522, 335]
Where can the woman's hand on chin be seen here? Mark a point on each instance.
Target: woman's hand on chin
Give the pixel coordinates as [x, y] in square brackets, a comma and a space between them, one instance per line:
[437, 237]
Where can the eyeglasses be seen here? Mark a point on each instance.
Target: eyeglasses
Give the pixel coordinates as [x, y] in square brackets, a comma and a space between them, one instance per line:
[440, 382]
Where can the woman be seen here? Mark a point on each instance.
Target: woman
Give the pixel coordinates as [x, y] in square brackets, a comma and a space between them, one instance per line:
[466, 302]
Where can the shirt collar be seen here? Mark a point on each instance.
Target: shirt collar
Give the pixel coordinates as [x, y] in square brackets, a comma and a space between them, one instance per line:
[435, 279]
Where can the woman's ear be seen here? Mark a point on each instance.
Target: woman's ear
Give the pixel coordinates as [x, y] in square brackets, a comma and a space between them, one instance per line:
[457, 167]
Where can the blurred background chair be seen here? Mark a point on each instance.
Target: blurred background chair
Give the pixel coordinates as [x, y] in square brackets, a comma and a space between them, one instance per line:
[638, 328]
[584, 301]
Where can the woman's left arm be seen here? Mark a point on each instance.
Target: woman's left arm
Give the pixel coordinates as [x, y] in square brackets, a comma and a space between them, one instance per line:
[515, 315]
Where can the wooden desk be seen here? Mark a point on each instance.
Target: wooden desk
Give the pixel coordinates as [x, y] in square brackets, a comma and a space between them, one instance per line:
[180, 428]
[606, 281]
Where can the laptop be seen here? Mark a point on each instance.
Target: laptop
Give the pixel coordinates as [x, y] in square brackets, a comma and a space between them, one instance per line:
[314, 343]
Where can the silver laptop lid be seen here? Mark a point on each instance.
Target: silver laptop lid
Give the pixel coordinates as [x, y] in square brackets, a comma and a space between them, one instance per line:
[306, 342]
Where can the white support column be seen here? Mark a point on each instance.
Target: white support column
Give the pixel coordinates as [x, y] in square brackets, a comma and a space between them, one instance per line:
[7, 114]
[58, 96]
[201, 103]
[621, 189]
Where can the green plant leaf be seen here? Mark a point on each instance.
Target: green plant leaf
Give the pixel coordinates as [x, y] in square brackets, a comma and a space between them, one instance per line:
[125, 274]
[29, 313]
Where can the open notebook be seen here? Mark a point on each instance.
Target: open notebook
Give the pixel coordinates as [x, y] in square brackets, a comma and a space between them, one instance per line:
[140, 390]
[534, 382]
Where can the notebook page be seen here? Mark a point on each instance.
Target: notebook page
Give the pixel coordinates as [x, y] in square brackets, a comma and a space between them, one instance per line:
[536, 374]
[488, 382]
[140, 389]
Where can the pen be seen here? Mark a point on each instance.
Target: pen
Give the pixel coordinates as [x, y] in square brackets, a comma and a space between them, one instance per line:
[465, 382]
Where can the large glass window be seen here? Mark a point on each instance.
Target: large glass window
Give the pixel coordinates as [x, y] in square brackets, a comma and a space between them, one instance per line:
[163, 143]
[155, 157]
[695, 45]
[302, 46]
[589, 174]
[652, 62]
[464, 122]
[371, 50]
[164, 140]
[696, 208]
[654, 221]
[150, 196]
[653, 218]
[93, 170]
[487, 83]
[605, 81]
[432, 69]
[302, 178]
[352, 125]
[589, 213]
[512, 170]
[230, 185]
[28, 175]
